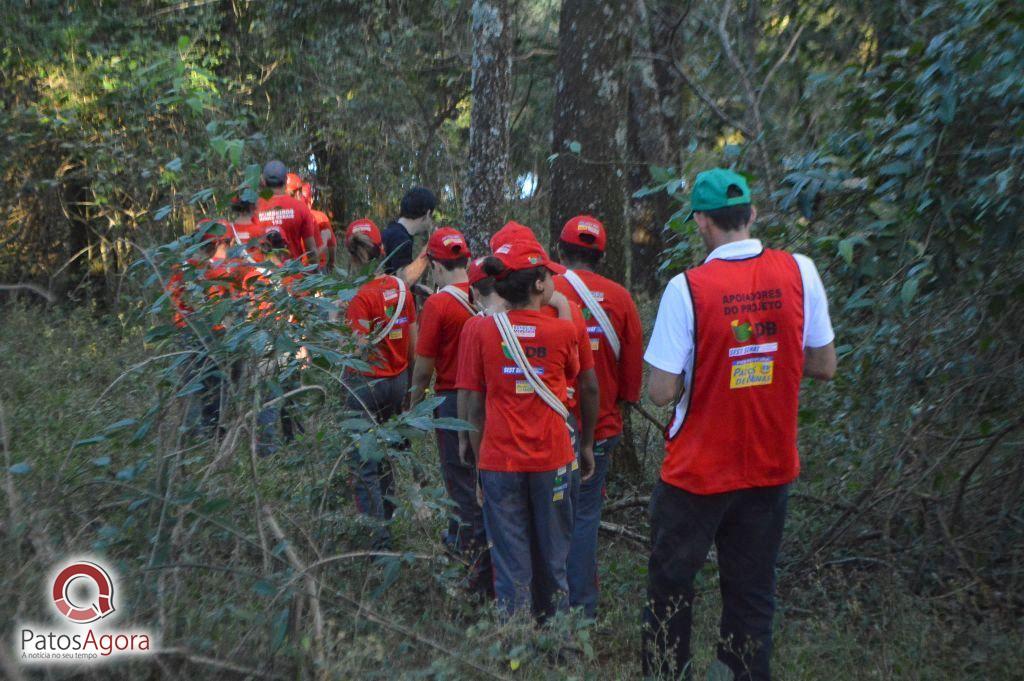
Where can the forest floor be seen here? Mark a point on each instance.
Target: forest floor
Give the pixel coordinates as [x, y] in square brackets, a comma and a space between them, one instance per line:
[842, 621]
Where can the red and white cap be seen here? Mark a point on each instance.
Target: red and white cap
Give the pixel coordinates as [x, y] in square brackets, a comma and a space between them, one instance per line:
[512, 231]
[476, 271]
[363, 226]
[293, 183]
[524, 254]
[447, 244]
[585, 231]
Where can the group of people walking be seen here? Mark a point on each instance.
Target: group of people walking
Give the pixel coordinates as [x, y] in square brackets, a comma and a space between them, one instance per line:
[539, 356]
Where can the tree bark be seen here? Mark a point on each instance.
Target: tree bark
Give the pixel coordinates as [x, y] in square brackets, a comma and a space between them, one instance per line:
[589, 139]
[486, 182]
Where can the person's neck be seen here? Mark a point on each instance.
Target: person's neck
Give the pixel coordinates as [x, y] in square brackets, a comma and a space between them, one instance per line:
[457, 276]
[278, 191]
[720, 237]
[411, 226]
[532, 305]
[576, 266]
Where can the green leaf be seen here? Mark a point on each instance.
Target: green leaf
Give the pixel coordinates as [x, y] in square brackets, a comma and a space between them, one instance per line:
[161, 213]
[95, 439]
[173, 166]
[575, 147]
[101, 461]
[909, 291]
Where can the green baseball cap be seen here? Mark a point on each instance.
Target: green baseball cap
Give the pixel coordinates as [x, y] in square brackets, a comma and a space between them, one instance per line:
[711, 190]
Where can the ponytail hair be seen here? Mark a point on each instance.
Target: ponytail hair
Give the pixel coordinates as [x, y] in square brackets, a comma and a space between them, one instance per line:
[362, 248]
[515, 286]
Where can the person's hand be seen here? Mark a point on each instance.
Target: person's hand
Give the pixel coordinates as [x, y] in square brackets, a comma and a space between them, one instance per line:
[463, 449]
[479, 494]
[560, 303]
[587, 463]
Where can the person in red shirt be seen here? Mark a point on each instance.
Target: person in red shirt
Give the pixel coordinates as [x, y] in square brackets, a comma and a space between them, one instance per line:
[437, 351]
[584, 397]
[515, 382]
[618, 357]
[286, 214]
[325, 231]
[382, 314]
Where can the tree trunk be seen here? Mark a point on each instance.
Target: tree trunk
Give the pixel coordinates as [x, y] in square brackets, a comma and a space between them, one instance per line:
[484, 197]
[648, 144]
[590, 122]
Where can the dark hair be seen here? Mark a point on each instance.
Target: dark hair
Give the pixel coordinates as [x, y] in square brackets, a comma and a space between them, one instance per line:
[484, 287]
[417, 202]
[514, 286]
[730, 218]
[362, 247]
[454, 264]
[576, 253]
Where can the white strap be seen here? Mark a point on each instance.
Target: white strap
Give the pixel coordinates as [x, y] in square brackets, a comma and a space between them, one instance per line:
[460, 295]
[508, 335]
[399, 308]
[595, 309]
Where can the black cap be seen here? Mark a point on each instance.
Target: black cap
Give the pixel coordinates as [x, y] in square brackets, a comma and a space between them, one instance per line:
[274, 174]
[417, 202]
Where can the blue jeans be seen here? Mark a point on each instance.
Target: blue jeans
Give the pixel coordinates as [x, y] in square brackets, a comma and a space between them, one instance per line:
[466, 525]
[746, 527]
[373, 479]
[582, 565]
[529, 520]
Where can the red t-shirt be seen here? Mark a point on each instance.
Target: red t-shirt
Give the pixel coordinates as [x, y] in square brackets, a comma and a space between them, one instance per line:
[619, 379]
[324, 234]
[244, 230]
[289, 216]
[522, 433]
[586, 355]
[370, 310]
[441, 322]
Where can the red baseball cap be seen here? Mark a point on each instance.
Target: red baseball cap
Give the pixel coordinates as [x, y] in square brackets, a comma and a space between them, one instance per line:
[476, 271]
[293, 183]
[512, 231]
[586, 231]
[447, 244]
[307, 193]
[523, 254]
[363, 226]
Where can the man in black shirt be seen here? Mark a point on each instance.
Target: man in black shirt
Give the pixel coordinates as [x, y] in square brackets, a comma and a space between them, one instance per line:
[417, 216]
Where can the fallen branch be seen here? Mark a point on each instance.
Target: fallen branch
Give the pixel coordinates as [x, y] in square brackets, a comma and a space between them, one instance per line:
[628, 502]
[38, 290]
[625, 532]
[224, 665]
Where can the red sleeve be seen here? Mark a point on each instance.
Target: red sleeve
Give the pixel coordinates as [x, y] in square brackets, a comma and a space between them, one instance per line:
[572, 365]
[632, 351]
[359, 309]
[582, 339]
[471, 363]
[428, 341]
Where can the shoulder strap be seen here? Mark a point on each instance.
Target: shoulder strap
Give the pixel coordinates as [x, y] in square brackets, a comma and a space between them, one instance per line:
[460, 295]
[595, 309]
[399, 308]
[508, 335]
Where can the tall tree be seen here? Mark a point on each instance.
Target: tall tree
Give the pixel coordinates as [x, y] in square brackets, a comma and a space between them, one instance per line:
[590, 121]
[484, 197]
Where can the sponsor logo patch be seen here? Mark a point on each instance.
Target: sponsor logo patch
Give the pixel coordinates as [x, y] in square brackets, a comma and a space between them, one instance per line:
[753, 349]
[396, 334]
[516, 371]
[524, 388]
[523, 331]
[595, 344]
[390, 295]
[754, 371]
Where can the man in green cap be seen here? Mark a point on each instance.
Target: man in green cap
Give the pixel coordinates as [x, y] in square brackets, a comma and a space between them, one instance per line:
[732, 340]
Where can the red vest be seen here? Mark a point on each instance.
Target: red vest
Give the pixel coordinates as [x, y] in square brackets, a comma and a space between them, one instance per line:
[740, 428]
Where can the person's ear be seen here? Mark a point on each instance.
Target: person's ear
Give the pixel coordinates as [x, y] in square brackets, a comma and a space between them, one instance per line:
[753, 216]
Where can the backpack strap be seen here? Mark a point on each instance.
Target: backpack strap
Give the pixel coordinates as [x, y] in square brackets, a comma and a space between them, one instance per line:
[460, 295]
[508, 335]
[596, 310]
[399, 308]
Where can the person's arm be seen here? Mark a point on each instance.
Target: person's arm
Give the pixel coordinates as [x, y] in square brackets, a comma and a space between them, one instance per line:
[412, 272]
[589, 403]
[561, 303]
[422, 372]
[820, 363]
[663, 387]
[631, 353]
[473, 400]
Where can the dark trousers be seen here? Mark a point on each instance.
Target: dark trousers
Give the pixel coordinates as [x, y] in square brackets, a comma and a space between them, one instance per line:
[529, 519]
[373, 479]
[582, 565]
[746, 527]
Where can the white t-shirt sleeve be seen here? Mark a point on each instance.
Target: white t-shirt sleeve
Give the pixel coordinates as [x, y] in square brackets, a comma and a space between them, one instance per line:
[671, 345]
[817, 323]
